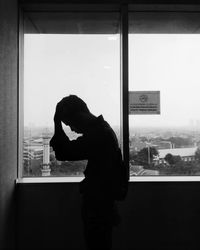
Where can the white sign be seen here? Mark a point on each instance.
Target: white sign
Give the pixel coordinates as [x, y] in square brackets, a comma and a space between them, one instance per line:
[144, 102]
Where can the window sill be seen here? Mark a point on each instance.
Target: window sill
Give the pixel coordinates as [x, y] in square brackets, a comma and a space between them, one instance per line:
[49, 180]
[132, 179]
[164, 178]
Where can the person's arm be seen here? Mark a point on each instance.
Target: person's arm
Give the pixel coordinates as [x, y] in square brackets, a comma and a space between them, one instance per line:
[69, 150]
[63, 147]
[59, 140]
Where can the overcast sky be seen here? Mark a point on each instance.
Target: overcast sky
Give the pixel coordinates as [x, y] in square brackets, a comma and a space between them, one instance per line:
[59, 65]
[169, 63]
[89, 66]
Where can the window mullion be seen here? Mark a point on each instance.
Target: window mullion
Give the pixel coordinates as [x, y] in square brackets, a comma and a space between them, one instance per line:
[124, 83]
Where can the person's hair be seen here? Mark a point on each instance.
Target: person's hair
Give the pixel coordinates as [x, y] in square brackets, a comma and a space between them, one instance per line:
[72, 105]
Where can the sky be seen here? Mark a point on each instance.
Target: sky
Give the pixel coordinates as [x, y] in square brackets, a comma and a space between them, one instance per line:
[59, 65]
[89, 66]
[168, 63]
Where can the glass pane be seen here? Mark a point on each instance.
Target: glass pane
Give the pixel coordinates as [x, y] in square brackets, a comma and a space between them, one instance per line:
[166, 143]
[83, 60]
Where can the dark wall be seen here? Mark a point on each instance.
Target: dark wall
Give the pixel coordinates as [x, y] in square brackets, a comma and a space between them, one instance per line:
[157, 216]
[116, 1]
[8, 120]
[154, 216]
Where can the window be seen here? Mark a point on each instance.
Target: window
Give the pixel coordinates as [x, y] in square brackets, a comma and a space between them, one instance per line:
[164, 57]
[67, 53]
[116, 58]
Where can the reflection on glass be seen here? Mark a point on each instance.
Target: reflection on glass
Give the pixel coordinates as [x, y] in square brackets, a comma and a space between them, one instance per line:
[166, 144]
[57, 65]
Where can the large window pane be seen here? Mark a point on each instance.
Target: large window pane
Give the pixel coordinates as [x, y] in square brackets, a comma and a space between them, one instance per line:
[164, 52]
[67, 53]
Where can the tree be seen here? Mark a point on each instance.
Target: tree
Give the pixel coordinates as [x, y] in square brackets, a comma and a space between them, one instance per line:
[133, 155]
[197, 155]
[146, 155]
[172, 159]
[169, 159]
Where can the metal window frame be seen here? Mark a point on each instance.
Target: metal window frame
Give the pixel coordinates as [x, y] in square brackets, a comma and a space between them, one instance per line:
[20, 93]
[164, 8]
[124, 130]
[124, 10]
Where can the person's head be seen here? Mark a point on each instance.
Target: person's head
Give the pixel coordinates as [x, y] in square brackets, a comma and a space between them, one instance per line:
[74, 112]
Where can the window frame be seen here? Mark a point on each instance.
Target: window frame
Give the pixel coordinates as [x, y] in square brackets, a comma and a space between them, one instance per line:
[124, 10]
[64, 8]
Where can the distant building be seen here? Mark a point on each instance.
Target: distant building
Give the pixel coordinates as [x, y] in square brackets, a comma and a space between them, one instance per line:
[163, 144]
[33, 152]
[186, 154]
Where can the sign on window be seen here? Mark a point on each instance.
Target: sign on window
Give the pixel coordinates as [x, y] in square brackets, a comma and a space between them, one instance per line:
[144, 102]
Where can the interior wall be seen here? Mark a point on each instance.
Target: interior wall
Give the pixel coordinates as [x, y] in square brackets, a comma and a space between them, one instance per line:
[155, 215]
[8, 120]
[115, 1]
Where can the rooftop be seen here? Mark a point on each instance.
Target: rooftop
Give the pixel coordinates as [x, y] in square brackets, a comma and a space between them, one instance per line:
[177, 151]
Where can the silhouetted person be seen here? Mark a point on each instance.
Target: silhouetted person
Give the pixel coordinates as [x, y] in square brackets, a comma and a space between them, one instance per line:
[98, 144]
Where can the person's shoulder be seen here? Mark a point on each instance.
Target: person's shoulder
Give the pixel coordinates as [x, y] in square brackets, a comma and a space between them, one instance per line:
[108, 132]
[99, 129]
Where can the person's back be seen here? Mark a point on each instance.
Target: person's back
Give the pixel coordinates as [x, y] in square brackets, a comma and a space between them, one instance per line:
[102, 153]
